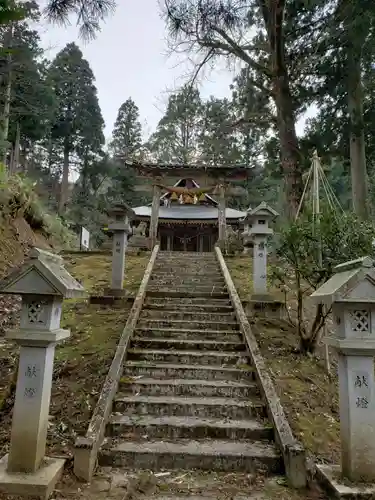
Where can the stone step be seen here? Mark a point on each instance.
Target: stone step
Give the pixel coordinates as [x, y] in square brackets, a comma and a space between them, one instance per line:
[186, 387]
[188, 282]
[151, 323]
[179, 406]
[167, 370]
[183, 274]
[188, 287]
[171, 427]
[189, 357]
[180, 344]
[187, 258]
[188, 334]
[185, 255]
[187, 267]
[185, 292]
[196, 257]
[189, 302]
[188, 314]
[217, 455]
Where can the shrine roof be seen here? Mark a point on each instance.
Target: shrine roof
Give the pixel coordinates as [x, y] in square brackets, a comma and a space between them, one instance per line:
[189, 212]
[158, 169]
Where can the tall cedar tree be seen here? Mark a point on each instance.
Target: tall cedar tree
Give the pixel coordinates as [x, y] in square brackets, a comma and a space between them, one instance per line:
[127, 132]
[31, 101]
[343, 75]
[77, 132]
[218, 142]
[176, 139]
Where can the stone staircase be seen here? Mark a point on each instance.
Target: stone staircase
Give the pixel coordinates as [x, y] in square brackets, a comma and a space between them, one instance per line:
[188, 398]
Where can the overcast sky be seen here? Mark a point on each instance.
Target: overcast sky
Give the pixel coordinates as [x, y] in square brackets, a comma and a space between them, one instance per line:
[130, 58]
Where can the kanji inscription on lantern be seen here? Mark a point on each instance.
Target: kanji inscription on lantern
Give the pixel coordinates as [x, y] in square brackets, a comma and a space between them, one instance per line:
[29, 392]
[362, 390]
[31, 371]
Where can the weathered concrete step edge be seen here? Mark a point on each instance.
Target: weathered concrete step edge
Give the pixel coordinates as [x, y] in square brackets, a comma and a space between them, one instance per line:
[201, 283]
[188, 271]
[203, 357]
[150, 323]
[183, 275]
[188, 287]
[187, 371]
[204, 407]
[181, 343]
[185, 293]
[205, 455]
[188, 302]
[188, 387]
[186, 314]
[171, 427]
[181, 334]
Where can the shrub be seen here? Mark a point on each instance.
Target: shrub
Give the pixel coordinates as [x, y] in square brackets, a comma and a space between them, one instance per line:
[18, 199]
[308, 253]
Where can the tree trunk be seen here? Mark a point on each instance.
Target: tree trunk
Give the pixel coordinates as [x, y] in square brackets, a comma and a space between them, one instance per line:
[308, 342]
[4, 125]
[273, 15]
[65, 180]
[289, 148]
[15, 160]
[357, 136]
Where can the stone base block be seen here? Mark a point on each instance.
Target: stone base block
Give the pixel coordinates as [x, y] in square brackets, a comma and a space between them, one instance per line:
[329, 476]
[113, 292]
[265, 305]
[39, 484]
[110, 300]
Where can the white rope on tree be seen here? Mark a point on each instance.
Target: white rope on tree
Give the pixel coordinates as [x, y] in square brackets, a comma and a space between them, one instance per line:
[319, 179]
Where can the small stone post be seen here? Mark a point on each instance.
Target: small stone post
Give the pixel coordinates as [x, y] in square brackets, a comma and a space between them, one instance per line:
[120, 229]
[351, 293]
[42, 282]
[257, 231]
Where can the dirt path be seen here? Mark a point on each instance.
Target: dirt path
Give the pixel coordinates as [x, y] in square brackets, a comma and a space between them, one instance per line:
[112, 484]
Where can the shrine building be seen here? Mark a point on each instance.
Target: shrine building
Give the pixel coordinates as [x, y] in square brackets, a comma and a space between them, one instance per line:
[188, 211]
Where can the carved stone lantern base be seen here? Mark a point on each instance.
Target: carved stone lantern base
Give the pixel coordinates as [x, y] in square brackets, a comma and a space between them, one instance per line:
[38, 484]
[330, 476]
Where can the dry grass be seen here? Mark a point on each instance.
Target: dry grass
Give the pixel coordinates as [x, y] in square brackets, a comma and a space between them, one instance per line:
[241, 270]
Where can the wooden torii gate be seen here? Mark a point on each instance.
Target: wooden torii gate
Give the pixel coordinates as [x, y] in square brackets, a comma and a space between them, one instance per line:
[216, 179]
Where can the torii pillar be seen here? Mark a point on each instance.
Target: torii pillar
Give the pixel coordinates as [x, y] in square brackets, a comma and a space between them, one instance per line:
[155, 213]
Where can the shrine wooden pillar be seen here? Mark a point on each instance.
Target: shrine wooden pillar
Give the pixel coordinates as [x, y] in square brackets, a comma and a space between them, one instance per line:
[200, 242]
[155, 215]
[222, 223]
[169, 242]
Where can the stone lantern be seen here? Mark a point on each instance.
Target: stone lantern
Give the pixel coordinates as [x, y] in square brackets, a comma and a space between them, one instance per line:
[257, 231]
[120, 228]
[43, 283]
[351, 294]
